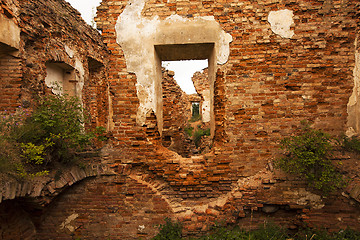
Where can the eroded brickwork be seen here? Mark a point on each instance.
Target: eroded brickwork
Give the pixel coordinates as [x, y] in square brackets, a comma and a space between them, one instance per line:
[112, 207]
[55, 33]
[267, 86]
[176, 114]
[10, 82]
[270, 82]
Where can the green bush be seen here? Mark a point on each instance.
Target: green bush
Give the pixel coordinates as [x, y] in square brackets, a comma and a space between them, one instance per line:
[189, 130]
[195, 118]
[268, 231]
[199, 133]
[53, 133]
[10, 151]
[57, 125]
[308, 155]
[350, 144]
[9, 155]
[169, 231]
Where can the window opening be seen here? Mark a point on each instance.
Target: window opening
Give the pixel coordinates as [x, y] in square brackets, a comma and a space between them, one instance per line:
[184, 84]
[195, 110]
[61, 78]
[184, 71]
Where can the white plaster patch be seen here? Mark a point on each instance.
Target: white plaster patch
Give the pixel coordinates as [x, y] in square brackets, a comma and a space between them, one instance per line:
[137, 36]
[307, 198]
[67, 223]
[281, 21]
[205, 111]
[80, 74]
[353, 104]
[69, 51]
[141, 228]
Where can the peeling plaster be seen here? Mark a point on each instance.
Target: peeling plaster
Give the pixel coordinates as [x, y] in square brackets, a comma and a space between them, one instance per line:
[137, 35]
[69, 51]
[281, 22]
[55, 79]
[353, 120]
[67, 223]
[80, 75]
[9, 32]
[206, 105]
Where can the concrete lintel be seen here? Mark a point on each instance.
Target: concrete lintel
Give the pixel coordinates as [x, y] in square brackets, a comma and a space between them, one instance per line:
[177, 52]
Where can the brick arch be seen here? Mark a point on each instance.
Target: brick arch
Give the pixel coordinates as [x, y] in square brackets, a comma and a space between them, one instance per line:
[114, 207]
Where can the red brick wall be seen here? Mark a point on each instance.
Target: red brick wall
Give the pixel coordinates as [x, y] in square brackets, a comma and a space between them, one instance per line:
[15, 222]
[268, 85]
[176, 113]
[106, 208]
[10, 82]
[47, 34]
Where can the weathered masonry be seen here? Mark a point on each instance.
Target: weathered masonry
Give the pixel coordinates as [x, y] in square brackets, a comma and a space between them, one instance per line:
[271, 64]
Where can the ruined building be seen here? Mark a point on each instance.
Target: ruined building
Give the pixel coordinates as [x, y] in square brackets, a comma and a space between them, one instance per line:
[271, 64]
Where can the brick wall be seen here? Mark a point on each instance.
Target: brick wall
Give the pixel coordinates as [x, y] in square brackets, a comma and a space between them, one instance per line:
[56, 33]
[15, 222]
[105, 208]
[268, 85]
[10, 82]
[176, 113]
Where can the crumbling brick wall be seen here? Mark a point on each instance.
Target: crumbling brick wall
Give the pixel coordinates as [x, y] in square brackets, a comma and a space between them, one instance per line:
[10, 63]
[202, 86]
[56, 33]
[270, 82]
[268, 85]
[106, 208]
[43, 32]
[176, 114]
[10, 78]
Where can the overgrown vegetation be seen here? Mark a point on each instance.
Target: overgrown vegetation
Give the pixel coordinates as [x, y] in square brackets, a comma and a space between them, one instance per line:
[199, 133]
[52, 133]
[172, 231]
[169, 230]
[308, 155]
[196, 116]
[351, 144]
[189, 130]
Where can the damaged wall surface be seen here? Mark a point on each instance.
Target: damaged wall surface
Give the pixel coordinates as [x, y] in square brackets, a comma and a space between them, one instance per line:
[288, 61]
[271, 65]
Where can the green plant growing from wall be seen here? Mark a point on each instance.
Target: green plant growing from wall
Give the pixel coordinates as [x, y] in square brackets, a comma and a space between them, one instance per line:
[57, 125]
[198, 134]
[169, 230]
[53, 133]
[351, 144]
[189, 130]
[308, 155]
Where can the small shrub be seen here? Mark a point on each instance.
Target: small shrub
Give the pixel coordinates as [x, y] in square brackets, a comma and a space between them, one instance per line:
[350, 144]
[100, 133]
[269, 231]
[308, 156]
[169, 231]
[223, 233]
[9, 155]
[199, 133]
[54, 132]
[195, 118]
[189, 130]
[57, 124]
